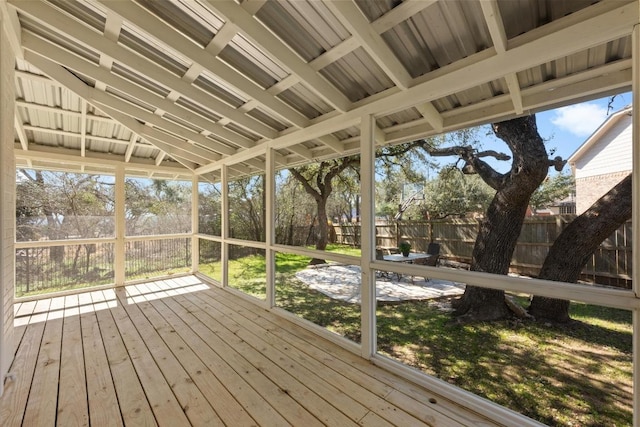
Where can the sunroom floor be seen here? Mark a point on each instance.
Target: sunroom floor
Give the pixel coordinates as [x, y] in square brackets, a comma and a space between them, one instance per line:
[180, 352]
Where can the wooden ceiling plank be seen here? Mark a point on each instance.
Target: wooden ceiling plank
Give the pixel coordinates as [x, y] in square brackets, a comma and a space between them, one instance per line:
[301, 151]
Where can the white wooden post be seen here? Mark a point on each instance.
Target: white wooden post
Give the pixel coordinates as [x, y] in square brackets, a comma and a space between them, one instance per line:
[119, 249]
[367, 193]
[635, 275]
[270, 184]
[224, 212]
[195, 224]
[7, 194]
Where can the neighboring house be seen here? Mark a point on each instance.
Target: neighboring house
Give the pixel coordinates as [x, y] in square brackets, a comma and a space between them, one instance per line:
[559, 207]
[603, 160]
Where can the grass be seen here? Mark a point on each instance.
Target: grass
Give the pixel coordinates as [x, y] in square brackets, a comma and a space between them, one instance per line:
[577, 374]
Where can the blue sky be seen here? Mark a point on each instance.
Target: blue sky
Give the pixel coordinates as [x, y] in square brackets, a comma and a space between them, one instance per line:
[566, 128]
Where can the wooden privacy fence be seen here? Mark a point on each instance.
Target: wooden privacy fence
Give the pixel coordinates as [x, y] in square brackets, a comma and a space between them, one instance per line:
[611, 264]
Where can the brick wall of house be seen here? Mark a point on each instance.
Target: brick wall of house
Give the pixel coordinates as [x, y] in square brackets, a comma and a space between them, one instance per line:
[591, 188]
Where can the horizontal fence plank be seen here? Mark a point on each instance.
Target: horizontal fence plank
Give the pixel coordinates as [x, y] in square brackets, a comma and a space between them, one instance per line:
[611, 263]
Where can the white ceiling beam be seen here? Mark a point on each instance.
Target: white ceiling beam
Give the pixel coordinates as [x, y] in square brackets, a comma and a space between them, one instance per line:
[62, 56]
[68, 156]
[173, 146]
[400, 13]
[515, 92]
[160, 157]
[112, 28]
[264, 38]
[83, 127]
[222, 38]
[301, 151]
[335, 53]
[49, 16]
[253, 6]
[130, 147]
[352, 18]
[433, 116]
[493, 18]
[11, 23]
[571, 35]
[166, 34]
[58, 110]
[22, 135]
[535, 99]
[333, 143]
[106, 100]
[78, 135]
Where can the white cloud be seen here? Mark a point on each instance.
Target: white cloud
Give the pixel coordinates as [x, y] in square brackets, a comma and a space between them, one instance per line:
[580, 119]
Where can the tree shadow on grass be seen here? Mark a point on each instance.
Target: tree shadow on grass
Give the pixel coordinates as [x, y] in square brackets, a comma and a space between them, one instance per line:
[574, 374]
[556, 375]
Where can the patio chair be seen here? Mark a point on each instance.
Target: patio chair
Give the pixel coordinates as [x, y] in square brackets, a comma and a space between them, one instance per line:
[380, 256]
[433, 249]
[432, 261]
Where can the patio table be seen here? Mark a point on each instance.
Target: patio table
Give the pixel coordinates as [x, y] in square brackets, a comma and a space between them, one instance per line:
[408, 259]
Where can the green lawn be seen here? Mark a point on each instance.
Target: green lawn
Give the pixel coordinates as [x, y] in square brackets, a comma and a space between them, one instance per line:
[577, 374]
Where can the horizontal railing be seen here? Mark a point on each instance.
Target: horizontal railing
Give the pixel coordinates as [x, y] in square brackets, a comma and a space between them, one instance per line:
[45, 267]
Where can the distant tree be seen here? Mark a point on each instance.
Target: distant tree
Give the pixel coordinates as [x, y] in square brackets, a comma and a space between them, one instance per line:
[317, 181]
[209, 209]
[552, 189]
[246, 206]
[157, 206]
[455, 194]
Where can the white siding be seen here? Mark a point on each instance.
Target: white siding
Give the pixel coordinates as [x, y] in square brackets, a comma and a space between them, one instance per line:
[610, 154]
[7, 204]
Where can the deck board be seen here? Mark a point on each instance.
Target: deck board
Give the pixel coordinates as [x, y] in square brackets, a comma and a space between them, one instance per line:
[178, 353]
[72, 384]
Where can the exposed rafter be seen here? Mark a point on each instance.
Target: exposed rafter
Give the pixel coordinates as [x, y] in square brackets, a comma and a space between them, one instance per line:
[190, 79]
[351, 17]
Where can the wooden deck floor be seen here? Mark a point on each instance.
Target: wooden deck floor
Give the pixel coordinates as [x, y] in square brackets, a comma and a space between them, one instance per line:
[179, 353]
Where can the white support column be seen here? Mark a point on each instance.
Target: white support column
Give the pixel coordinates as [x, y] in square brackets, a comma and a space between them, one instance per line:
[119, 250]
[224, 212]
[270, 254]
[7, 199]
[635, 218]
[195, 224]
[368, 239]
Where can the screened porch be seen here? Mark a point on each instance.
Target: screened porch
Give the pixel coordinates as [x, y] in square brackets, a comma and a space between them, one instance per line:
[176, 302]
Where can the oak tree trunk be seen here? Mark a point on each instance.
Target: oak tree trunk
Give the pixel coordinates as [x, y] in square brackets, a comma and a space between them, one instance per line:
[500, 228]
[571, 250]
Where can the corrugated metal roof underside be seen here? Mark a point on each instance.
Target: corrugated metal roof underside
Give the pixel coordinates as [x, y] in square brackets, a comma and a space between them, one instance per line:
[191, 83]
